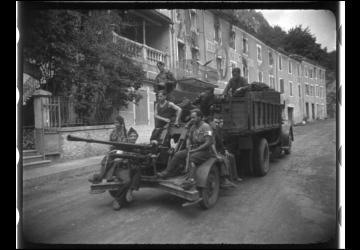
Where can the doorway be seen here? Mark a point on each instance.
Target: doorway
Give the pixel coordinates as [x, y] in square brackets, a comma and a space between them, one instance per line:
[291, 115]
[307, 110]
[313, 111]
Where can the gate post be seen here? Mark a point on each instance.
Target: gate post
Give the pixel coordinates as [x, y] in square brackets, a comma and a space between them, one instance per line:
[41, 117]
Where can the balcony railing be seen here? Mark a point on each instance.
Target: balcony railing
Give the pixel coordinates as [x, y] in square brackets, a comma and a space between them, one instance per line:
[140, 51]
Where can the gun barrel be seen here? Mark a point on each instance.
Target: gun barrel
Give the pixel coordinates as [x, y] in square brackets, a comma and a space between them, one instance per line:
[119, 145]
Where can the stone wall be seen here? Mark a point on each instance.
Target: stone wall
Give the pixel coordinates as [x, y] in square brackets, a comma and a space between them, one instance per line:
[78, 150]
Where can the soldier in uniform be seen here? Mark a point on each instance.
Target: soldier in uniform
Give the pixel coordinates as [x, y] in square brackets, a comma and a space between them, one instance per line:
[205, 100]
[165, 80]
[228, 166]
[199, 141]
[235, 82]
[117, 135]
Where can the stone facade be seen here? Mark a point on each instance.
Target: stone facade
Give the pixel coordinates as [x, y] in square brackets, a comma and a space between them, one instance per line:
[185, 41]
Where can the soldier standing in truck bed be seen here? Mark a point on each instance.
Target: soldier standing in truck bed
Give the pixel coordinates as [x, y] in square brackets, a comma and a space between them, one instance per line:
[235, 82]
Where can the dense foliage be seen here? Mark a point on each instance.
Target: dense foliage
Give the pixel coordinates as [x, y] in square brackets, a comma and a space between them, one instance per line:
[77, 56]
[297, 40]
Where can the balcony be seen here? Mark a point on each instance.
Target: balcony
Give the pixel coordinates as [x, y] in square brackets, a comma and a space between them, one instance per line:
[165, 12]
[141, 52]
[189, 69]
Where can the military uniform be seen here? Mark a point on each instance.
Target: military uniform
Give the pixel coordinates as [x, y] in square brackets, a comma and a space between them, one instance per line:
[234, 84]
[197, 137]
[162, 81]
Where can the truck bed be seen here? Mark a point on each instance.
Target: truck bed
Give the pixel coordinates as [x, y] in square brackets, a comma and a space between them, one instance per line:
[255, 111]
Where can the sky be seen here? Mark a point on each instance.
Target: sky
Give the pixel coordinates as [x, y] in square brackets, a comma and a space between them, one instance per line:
[322, 23]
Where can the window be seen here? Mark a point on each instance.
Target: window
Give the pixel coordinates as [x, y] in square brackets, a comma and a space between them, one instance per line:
[245, 45]
[245, 71]
[272, 82]
[181, 55]
[259, 55]
[232, 39]
[299, 90]
[310, 73]
[314, 72]
[316, 90]
[271, 59]
[307, 89]
[260, 76]
[305, 72]
[291, 88]
[193, 20]
[282, 85]
[290, 67]
[280, 63]
[298, 70]
[217, 30]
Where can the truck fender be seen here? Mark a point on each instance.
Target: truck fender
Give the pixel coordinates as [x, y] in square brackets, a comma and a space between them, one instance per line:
[203, 170]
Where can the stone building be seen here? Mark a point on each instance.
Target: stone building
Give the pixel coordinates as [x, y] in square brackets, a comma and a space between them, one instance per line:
[204, 44]
[200, 47]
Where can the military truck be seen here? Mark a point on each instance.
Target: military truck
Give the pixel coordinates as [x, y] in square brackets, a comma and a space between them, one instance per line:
[254, 129]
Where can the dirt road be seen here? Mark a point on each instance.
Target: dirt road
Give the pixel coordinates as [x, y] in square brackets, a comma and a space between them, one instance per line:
[294, 203]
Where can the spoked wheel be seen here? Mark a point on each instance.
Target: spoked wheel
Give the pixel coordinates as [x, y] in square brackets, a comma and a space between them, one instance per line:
[210, 193]
[288, 150]
[261, 159]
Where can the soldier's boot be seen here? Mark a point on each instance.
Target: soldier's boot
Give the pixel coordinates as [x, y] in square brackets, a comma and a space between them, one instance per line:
[189, 183]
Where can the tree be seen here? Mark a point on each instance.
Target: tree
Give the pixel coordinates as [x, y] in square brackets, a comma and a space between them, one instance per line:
[78, 57]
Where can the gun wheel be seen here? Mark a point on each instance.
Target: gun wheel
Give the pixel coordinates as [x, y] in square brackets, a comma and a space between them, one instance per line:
[119, 196]
[210, 193]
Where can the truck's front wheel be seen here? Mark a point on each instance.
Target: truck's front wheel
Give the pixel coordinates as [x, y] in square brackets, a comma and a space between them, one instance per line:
[261, 158]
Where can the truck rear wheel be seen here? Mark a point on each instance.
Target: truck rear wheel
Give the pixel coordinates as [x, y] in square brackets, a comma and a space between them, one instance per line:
[288, 150]
[261, 158]
[210, 193]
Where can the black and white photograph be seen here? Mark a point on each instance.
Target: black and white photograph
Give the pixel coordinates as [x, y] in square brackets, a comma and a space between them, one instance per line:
[215, 125]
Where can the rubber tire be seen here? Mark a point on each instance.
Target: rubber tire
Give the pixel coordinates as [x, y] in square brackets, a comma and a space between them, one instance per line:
[213, 178]
[261, 158]
[288, 151]
[120, 196]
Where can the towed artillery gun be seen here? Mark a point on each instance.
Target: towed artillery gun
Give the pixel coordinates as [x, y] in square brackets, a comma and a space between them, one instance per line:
[144, 161]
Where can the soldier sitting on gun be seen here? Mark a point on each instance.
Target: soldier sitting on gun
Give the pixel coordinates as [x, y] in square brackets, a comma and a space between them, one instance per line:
[164, 112]
[134, 181]
[117, 135]
[199, 141]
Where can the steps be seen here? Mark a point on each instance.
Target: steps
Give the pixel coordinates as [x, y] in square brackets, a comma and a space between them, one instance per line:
[32, 158]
